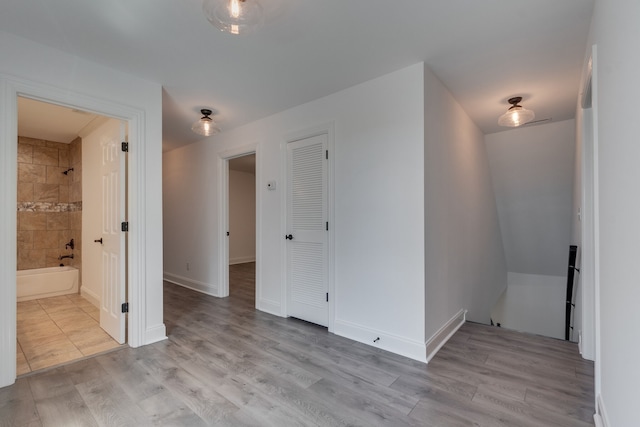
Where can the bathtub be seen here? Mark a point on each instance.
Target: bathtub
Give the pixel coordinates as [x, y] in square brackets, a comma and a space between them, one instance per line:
[46, 282]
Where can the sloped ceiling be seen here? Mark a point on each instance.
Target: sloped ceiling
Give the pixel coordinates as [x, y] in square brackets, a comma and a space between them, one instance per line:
[532, 173]
[483, 51]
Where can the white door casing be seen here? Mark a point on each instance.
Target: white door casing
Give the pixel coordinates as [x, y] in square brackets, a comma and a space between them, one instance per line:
[307, 246]
[112, 320]
[140, 122]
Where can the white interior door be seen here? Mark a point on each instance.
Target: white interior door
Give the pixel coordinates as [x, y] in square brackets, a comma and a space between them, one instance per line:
[307, 230]
[112, 320]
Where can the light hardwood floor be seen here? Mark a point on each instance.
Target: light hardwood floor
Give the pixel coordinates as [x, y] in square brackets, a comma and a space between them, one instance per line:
[57, 330]
[227, 364]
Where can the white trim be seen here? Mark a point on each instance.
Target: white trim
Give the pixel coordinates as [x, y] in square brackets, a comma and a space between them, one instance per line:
[223, 226]
[322, 129]
[269, 306]
[600, 417]
[586, 342]
[90, 296]
[194, 285]
[223, 216]
[284, 188]
[394, 343]
[155, 334]
[242, 260]
[10, 89]
[596, 221]
[437, 340]
[8, 231]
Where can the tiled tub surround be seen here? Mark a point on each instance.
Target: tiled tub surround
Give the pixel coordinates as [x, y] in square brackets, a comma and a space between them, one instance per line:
[49, 205]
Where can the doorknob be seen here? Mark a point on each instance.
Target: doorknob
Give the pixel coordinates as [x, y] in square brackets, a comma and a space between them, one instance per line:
[98, 240]
[288, 237]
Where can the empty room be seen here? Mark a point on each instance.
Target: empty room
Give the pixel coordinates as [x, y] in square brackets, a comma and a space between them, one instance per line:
[319, 213]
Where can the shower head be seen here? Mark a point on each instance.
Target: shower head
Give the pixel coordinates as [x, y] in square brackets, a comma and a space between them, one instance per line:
[67, 171]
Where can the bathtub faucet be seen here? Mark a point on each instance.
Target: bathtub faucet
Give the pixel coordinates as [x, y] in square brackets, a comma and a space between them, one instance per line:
[61, 257]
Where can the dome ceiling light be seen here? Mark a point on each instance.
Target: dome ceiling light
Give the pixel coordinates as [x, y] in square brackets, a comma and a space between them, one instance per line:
[516, 115]
[205, 126]
[234, 16]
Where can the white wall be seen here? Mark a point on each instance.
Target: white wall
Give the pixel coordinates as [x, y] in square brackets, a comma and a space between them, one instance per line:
[31, 68]
[465, 264]
[242, 217]
[378, 207]
[617, 35]
[533, 303]
[532, 170]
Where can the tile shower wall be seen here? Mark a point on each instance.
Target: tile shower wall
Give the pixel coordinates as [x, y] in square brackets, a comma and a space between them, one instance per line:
[49, 202]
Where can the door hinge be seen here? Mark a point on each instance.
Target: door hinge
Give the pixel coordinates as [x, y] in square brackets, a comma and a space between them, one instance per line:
[326, 154]
[124, 226]
[327, 296]
[125, 147]
[125, 307]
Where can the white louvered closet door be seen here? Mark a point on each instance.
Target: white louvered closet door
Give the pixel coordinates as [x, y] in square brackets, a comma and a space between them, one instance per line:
[307, 229]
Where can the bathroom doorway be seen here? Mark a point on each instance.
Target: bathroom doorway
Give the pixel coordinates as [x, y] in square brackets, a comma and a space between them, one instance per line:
[59, 315]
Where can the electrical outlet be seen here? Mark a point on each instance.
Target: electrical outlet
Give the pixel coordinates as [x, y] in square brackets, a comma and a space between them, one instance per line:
[188, 266]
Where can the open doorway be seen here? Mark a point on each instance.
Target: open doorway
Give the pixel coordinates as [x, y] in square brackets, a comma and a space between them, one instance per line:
[242, 225]
[60, 289]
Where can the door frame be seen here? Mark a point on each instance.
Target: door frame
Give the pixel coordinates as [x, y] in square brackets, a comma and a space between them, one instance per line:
[223, 218]
[10, 89]
[322, 129]
[588, 222]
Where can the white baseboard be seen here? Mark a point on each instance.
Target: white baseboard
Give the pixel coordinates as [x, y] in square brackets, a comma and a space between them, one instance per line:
[155, 334]
[242, 259]
[90, 296]
[438, 339]
[269, 306]
[600, 417]
[390, 342]
[194, 285]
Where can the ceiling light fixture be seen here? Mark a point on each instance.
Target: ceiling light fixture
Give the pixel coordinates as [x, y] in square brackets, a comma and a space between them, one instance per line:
[234, 16]
[516, 115]
[205, 126]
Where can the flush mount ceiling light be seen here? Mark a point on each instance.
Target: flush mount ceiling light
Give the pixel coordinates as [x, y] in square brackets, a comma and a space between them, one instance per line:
[234, 16]
[516, 115]
[205, 126]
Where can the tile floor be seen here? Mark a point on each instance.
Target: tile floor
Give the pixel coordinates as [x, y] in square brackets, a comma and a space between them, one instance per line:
[57, 330]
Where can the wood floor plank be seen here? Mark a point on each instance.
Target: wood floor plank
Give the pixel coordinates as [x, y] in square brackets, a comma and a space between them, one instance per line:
[67, 409]
[202, 400]
[17, 406]
[439, 408]
[572, 406]
[524, 411]
[493, 379]
[109, 404]
[164, 409]
[123, 368]
[361, 406]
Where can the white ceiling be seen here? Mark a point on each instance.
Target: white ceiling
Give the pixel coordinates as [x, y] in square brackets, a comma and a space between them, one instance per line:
[483, 51]
[40, 120]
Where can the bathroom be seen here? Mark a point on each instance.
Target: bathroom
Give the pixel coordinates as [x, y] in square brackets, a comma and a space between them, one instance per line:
[58, 319]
